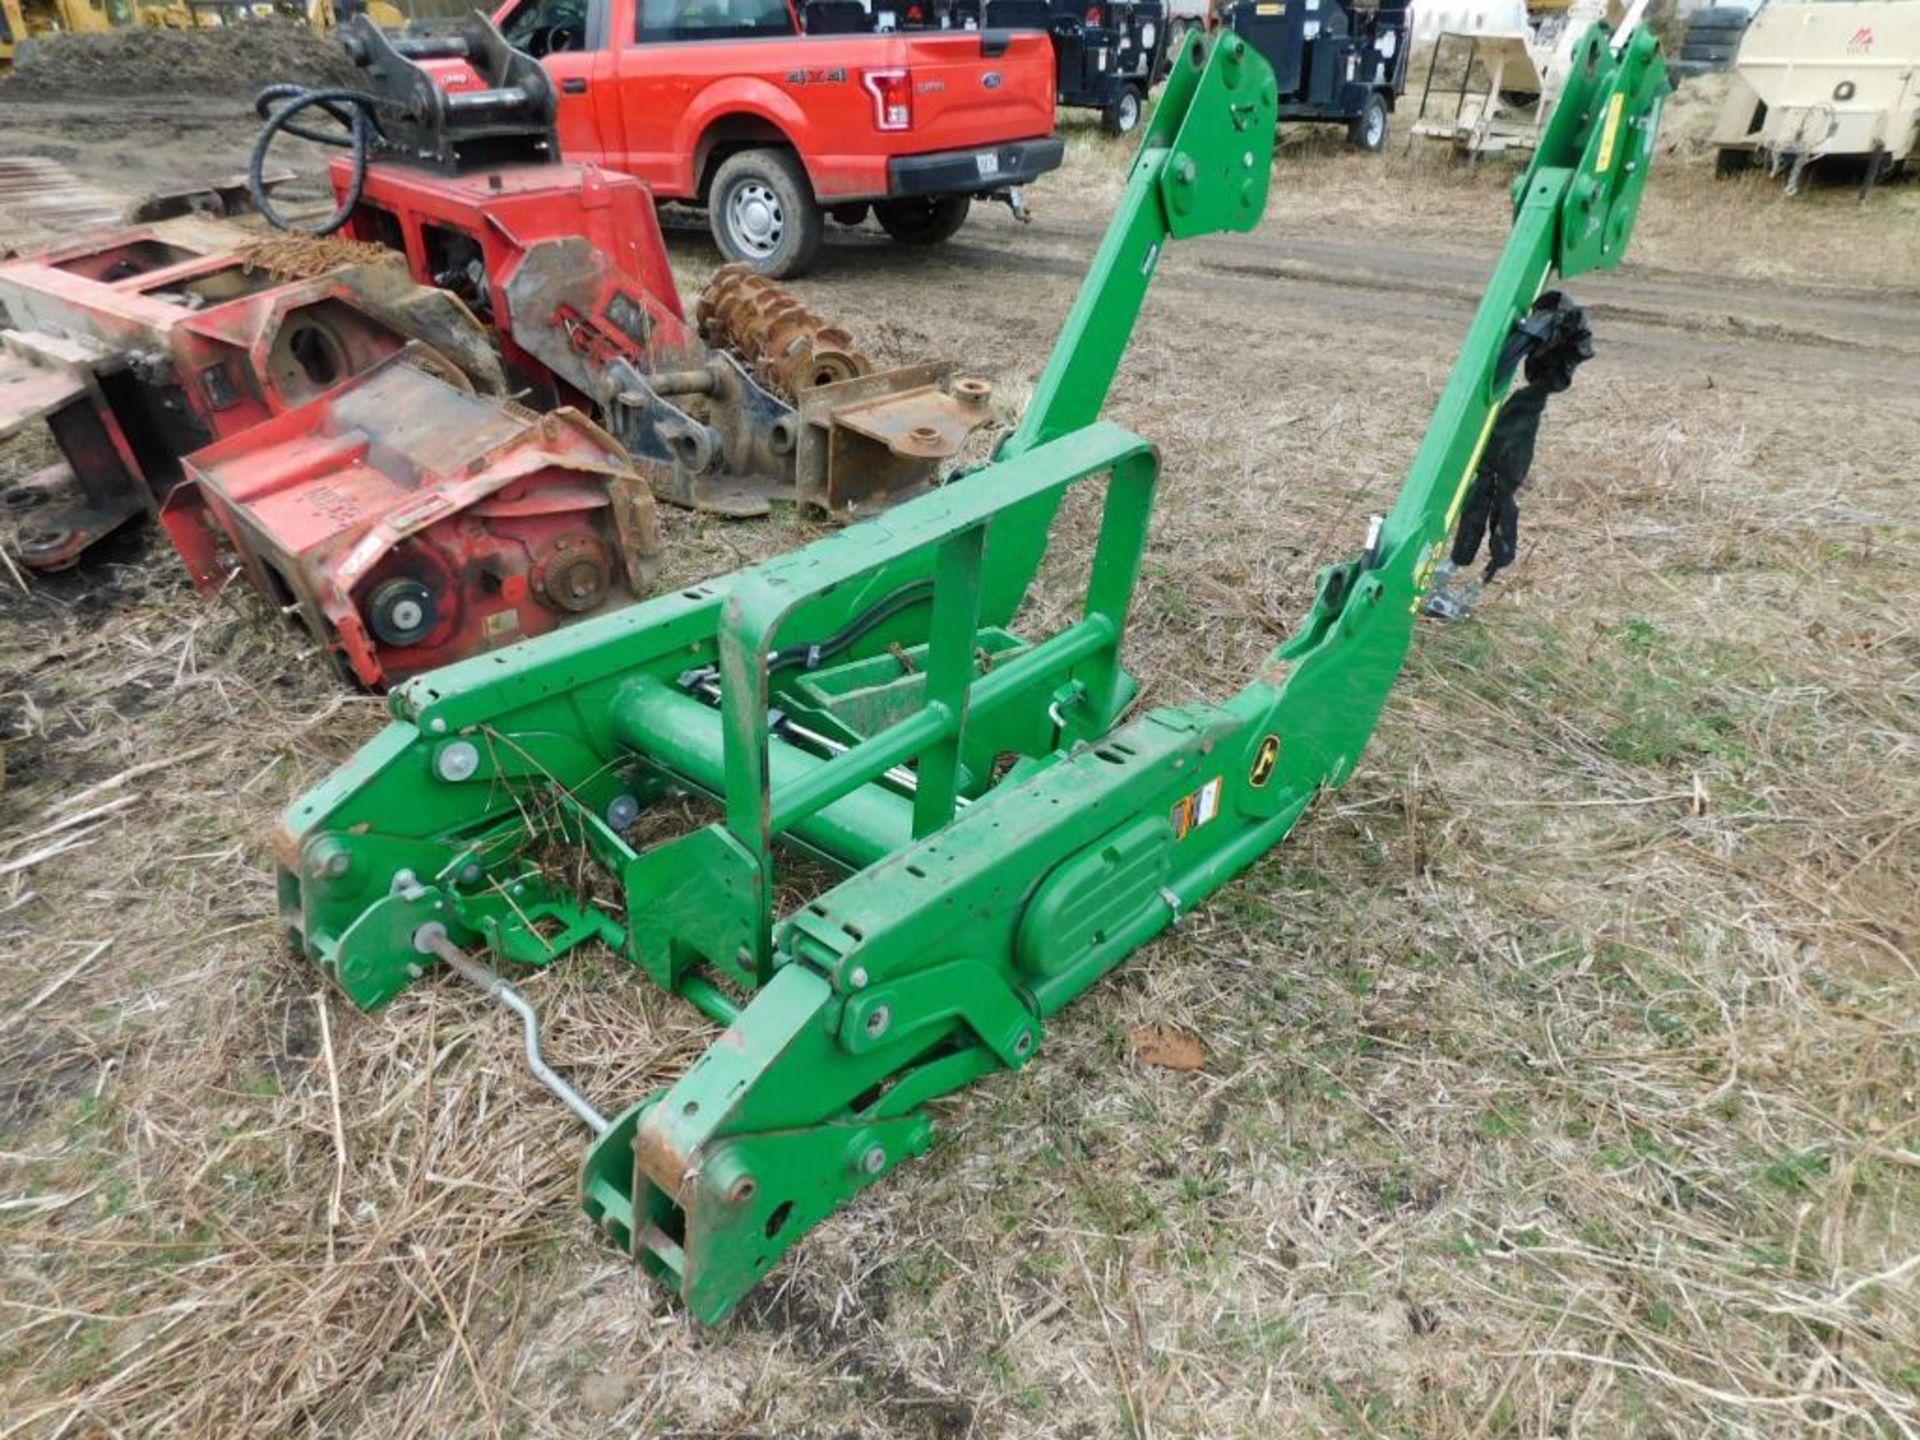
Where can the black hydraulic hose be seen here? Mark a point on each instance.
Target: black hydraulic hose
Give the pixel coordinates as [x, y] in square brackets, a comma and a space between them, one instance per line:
[352, 109]
[807, 656]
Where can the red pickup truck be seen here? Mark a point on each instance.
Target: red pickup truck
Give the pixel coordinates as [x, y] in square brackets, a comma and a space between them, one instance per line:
[727, 104]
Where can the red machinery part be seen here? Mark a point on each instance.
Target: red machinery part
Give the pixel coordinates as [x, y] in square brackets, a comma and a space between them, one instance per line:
[411, 523]
[138, 346]
[323, 429]
[469, 233]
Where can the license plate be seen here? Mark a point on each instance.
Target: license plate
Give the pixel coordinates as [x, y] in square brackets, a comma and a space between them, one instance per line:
[989, 165]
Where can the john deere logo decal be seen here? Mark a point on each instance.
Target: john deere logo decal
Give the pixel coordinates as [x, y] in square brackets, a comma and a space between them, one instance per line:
[1264, 759]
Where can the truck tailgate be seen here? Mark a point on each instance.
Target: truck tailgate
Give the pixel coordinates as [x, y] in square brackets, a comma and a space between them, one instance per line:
[965, 96]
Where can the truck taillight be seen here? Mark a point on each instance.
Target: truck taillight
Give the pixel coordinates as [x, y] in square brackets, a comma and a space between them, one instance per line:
[892, 92]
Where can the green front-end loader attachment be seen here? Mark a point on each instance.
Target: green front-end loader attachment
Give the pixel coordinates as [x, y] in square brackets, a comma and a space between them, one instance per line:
[1003, 836]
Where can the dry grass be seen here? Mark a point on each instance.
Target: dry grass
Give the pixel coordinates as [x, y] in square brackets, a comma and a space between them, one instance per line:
[1562, 1069]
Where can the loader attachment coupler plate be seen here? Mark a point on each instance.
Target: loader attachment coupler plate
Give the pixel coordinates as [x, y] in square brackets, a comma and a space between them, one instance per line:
[999, 839]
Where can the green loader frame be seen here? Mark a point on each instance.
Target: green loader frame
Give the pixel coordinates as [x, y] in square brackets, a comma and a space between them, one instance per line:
[1005, 838]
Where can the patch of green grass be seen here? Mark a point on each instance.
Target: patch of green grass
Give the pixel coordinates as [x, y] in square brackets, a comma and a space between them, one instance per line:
[1395, 1190]
[84, 1355]
[1253, 1337]
[922, 1272]
[1638, 637]
[1028, 1395]
[1365, 1414]
[1797, 1171]
[1660, 1316]
[1501, 1121]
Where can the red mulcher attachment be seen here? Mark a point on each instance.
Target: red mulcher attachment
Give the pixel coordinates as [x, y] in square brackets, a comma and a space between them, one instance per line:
[330, 429]
[411, 523]
[138, 346]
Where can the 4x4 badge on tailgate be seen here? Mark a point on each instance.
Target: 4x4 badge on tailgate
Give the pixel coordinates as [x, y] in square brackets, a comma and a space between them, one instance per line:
[991, 79]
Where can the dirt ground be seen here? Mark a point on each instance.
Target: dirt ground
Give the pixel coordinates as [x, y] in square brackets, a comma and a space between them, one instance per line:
[1561, 1071]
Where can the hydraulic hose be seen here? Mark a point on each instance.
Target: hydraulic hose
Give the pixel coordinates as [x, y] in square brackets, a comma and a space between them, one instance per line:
[354, 110]
[807, 656]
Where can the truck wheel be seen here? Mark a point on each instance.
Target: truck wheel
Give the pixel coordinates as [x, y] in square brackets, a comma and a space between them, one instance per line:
[762, 211]
[1368, 130]
[1123, 115]
[923, 220]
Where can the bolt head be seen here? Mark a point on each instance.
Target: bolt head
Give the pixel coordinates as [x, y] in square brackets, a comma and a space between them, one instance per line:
[458, 761]
[858, 979]
[874, 1161]
[878, 1019]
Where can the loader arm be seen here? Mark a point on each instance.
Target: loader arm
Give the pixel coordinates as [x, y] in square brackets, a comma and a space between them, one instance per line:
[1005, 842]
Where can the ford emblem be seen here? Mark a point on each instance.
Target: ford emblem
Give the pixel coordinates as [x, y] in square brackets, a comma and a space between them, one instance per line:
[991, 80]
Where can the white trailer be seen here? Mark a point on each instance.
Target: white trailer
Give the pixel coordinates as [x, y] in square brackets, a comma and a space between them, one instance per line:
[1814, 81]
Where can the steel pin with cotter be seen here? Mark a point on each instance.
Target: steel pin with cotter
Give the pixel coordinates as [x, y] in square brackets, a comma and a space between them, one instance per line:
[431, 939]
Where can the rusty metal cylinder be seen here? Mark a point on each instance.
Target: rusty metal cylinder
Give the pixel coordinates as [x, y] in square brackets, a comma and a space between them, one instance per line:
[789, 348]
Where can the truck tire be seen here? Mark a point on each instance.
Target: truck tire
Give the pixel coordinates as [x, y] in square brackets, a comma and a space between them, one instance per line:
[1123, 116]
[923, 219]
[762, 211]
[1368, 130]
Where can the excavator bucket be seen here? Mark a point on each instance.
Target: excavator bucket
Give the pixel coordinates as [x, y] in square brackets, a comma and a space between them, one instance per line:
[1002, 838]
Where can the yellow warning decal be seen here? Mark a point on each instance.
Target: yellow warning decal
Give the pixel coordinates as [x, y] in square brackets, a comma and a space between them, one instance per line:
[1604, 161]
[1268, 8]
[1195, 810]
[1264, 761]
[1473, 464]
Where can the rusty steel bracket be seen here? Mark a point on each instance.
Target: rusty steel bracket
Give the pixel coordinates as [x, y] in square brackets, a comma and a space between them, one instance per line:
[879, 439]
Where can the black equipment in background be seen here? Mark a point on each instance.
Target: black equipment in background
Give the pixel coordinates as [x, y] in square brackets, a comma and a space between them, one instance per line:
[1336, 60]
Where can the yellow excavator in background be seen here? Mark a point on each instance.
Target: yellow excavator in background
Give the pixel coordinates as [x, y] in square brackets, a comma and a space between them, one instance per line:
[386, 15]
[22, 20]
[321, 16]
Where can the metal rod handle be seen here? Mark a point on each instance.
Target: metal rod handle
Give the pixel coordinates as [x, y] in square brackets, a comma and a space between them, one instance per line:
[431, 939]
